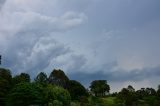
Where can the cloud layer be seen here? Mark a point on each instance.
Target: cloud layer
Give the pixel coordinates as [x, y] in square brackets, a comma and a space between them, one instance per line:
[88, 39]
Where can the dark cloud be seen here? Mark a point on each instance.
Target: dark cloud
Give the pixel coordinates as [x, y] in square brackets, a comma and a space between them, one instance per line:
[2, 3]
[88, 39]
[117, 76]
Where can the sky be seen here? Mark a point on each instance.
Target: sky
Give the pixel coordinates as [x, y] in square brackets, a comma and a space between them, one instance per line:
[115, 40]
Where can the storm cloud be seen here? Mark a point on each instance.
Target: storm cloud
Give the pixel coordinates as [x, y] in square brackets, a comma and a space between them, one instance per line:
[89, 39]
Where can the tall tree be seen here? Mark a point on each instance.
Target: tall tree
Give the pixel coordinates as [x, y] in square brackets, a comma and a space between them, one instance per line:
[99, 87]
[59, 78]
[41, 78]
[5, 84]
[127, 96]
[76, 90]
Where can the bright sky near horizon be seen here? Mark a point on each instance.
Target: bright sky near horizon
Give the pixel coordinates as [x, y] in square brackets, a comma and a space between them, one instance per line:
[116, 40]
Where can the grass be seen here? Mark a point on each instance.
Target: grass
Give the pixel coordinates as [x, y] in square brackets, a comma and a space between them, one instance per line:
[106, 101]
[109, 101]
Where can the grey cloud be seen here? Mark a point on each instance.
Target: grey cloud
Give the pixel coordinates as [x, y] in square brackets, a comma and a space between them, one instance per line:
[88, 39]
[81, 5]
[30, 56]
[2, 3]
[124, 14]
[30, 45]
[117, 76]
[35, 22]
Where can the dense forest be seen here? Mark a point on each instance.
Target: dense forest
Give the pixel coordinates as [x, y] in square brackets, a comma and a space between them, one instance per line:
[58, 90]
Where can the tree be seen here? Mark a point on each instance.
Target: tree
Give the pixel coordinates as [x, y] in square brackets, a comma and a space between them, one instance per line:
[25, 94]
[76, 90]
[128, 96]
[5, 84]
[41, 78]
[59, 78]
[150, 91]
[99, 87]
[23, 77]
[55, 93]
[158, 91]
[130, 88]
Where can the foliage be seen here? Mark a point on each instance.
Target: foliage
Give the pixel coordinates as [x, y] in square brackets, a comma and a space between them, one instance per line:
[158, 91]
[57, 90]
[96, 101]
[76, 90]
[56, 103]
[57, 93]
[5, 84]
[58, 78]
[41, 78]
[109, 101]
[99, 87]
[23, 77]
[127, 96]
[25, 94]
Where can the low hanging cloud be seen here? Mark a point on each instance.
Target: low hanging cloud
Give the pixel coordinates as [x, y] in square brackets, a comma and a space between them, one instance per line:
[121, 78]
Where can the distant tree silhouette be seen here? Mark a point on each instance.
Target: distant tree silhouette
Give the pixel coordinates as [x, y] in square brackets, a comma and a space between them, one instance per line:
[23, 77]
[130, 88]
[128, 96]
[99, 87]
[59, 78]
[41, 78]
[76, 90]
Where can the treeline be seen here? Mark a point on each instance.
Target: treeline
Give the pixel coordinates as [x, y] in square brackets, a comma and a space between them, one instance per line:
[53, 90]
[143, 97]
[58, 90]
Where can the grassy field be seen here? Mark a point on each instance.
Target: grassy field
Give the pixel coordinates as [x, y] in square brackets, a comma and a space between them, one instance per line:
[109, 101]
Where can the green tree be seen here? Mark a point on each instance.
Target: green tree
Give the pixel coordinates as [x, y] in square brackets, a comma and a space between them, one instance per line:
[158, 91]
[5, 84]
[25, 94]
[59, 78]
[99, 87]
[130, 88]
[76, 90]
[57, 93]
[128, 96]
[41, 78]
[150, 91]
[23, 77]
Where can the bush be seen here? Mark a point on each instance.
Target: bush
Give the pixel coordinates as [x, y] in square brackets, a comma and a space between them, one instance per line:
[56, 103]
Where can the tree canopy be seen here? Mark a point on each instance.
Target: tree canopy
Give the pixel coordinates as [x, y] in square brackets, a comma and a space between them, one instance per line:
[5, 84]
[23, 77]
[76, 90]
[99, 87]
[59, 78]
[41, 78]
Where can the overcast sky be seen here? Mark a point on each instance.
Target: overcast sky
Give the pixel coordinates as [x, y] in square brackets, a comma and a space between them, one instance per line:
[116, 40]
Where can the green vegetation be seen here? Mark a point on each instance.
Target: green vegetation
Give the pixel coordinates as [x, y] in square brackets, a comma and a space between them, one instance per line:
[59, 90]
